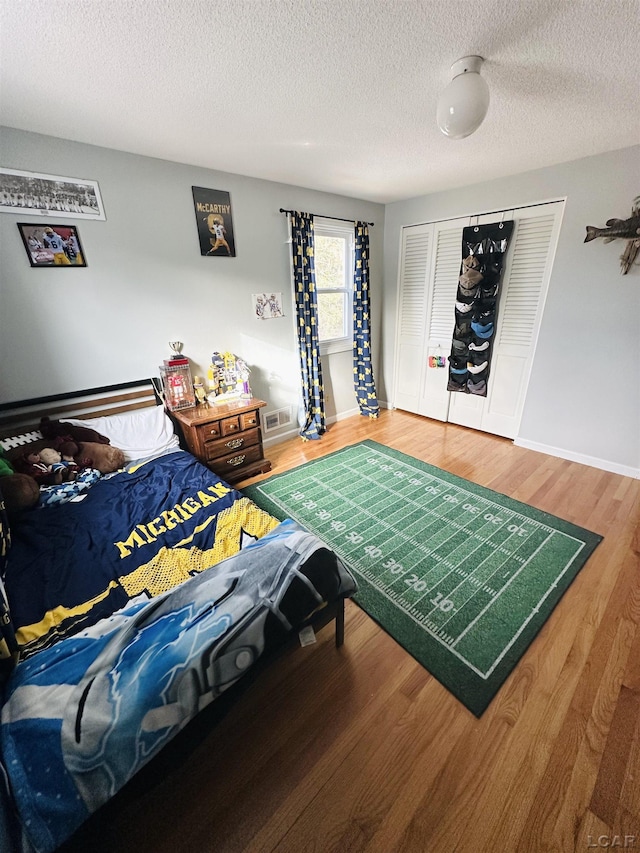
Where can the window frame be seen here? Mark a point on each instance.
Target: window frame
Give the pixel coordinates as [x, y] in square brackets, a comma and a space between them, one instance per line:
[331, 228]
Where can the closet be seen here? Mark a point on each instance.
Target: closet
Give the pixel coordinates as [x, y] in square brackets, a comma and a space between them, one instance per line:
[430, 261]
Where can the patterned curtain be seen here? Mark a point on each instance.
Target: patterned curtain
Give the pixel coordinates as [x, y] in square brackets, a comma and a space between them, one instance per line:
[362, 371]
[483, 250]
[312, 418]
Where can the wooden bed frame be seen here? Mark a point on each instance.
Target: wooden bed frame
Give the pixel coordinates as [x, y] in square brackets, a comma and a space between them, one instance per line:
[25, 415]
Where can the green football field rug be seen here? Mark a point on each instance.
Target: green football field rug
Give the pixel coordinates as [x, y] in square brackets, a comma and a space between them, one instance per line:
[461, 576]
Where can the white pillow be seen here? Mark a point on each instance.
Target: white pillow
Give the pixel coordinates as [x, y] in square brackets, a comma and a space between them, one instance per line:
[139, 433]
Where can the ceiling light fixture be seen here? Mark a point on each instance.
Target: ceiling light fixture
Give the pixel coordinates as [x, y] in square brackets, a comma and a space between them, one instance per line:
[464, 103]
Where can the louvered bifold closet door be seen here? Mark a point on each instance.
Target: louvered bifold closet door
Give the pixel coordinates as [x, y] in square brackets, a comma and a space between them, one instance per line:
[522, 295]
[412, 316]
[527, 280]
[443, 278]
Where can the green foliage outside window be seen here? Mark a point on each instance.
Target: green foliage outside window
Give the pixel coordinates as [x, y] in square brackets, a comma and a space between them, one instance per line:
[329, 254]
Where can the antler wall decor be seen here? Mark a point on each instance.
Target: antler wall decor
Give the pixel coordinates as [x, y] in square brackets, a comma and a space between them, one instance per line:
[625, 228]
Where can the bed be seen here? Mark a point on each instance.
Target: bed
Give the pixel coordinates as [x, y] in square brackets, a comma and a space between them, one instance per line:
[128, 606]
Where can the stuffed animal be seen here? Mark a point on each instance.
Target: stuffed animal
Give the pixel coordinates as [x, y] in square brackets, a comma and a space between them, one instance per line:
[88, 454]
[70, 451]
[104, 457]
[33, 463]
[67, 468]
[19, 491]
[57, 429]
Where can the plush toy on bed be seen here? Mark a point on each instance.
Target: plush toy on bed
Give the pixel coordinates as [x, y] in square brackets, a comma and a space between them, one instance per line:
[28, 480]
[19, 491]
[89, 454]
[67, 468]
[62, 429]
[70, 452]
[43, 466]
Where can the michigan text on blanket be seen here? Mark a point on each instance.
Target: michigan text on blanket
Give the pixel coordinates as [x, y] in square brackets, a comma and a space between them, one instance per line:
[144, 534]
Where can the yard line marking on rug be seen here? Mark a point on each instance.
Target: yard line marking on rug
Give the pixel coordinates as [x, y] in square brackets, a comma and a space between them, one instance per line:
[439, 500]
[534, 611]
[314, 481]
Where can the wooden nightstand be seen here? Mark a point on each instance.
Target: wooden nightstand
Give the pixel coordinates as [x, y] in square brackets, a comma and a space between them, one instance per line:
[226, 437]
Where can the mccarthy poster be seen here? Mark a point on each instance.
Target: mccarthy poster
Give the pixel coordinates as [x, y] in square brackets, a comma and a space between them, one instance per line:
[215, 223]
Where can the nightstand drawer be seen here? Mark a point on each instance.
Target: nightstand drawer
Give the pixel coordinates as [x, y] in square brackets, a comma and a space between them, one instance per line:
[209, 431]
[249, 420]
[231, 444]
[218, 429]
[229, 425]
[235, 461]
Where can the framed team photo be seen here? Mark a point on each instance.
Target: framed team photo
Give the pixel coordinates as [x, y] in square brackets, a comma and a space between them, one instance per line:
[215, 222]
[33, 194]
[52, 245]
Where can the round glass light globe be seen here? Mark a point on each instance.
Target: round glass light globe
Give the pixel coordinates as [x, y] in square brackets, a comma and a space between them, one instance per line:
[463, 105]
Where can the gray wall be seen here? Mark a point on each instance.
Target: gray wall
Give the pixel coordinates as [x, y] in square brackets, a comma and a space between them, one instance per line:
[583, 399]
[146, 282]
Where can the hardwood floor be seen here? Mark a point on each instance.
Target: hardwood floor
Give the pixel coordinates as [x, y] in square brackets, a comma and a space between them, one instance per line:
[360, 749]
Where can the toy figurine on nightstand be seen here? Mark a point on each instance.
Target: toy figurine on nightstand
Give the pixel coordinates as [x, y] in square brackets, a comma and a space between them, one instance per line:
[228, 378]
[201, 394]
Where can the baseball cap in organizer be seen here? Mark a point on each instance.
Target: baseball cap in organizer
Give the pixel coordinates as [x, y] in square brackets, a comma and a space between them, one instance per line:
[462, 329]
[457, 383]
[477, 368]
[483, 346]
[474, 357]
[489, 290]
[483, 331]
[484, 315]
[469, 292]
[458, 364]
[479, 388]
[463, 307]
[460, 348]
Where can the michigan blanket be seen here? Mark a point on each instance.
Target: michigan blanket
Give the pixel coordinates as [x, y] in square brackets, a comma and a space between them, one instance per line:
[131, 537]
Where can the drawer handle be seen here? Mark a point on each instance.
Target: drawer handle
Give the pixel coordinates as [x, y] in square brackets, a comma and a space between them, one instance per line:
[237, 460]
[215, 431]
[232, 426]
[235, 443]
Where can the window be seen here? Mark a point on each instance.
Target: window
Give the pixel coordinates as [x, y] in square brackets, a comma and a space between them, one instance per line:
[333, 254]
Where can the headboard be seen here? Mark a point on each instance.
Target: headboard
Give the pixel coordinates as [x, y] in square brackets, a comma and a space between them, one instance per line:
[25, 415]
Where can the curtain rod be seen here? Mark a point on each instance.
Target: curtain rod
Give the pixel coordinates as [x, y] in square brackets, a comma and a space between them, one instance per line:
[322, 216]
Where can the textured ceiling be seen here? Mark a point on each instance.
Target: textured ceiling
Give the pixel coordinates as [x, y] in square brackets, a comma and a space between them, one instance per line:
[335, 95]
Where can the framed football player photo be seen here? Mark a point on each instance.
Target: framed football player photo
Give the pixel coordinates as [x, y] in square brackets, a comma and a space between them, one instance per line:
[52, 245]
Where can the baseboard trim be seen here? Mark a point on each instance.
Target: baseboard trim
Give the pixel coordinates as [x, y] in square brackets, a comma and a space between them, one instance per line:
[341, 416]
[593, 461]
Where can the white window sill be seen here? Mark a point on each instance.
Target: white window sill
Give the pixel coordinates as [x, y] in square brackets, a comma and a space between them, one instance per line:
[338, 345]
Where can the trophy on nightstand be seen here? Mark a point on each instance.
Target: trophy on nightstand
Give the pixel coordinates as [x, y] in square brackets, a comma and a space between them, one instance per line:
[176, 377]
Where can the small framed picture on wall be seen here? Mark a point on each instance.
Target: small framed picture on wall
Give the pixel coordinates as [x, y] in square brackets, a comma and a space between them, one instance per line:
[52, 245]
